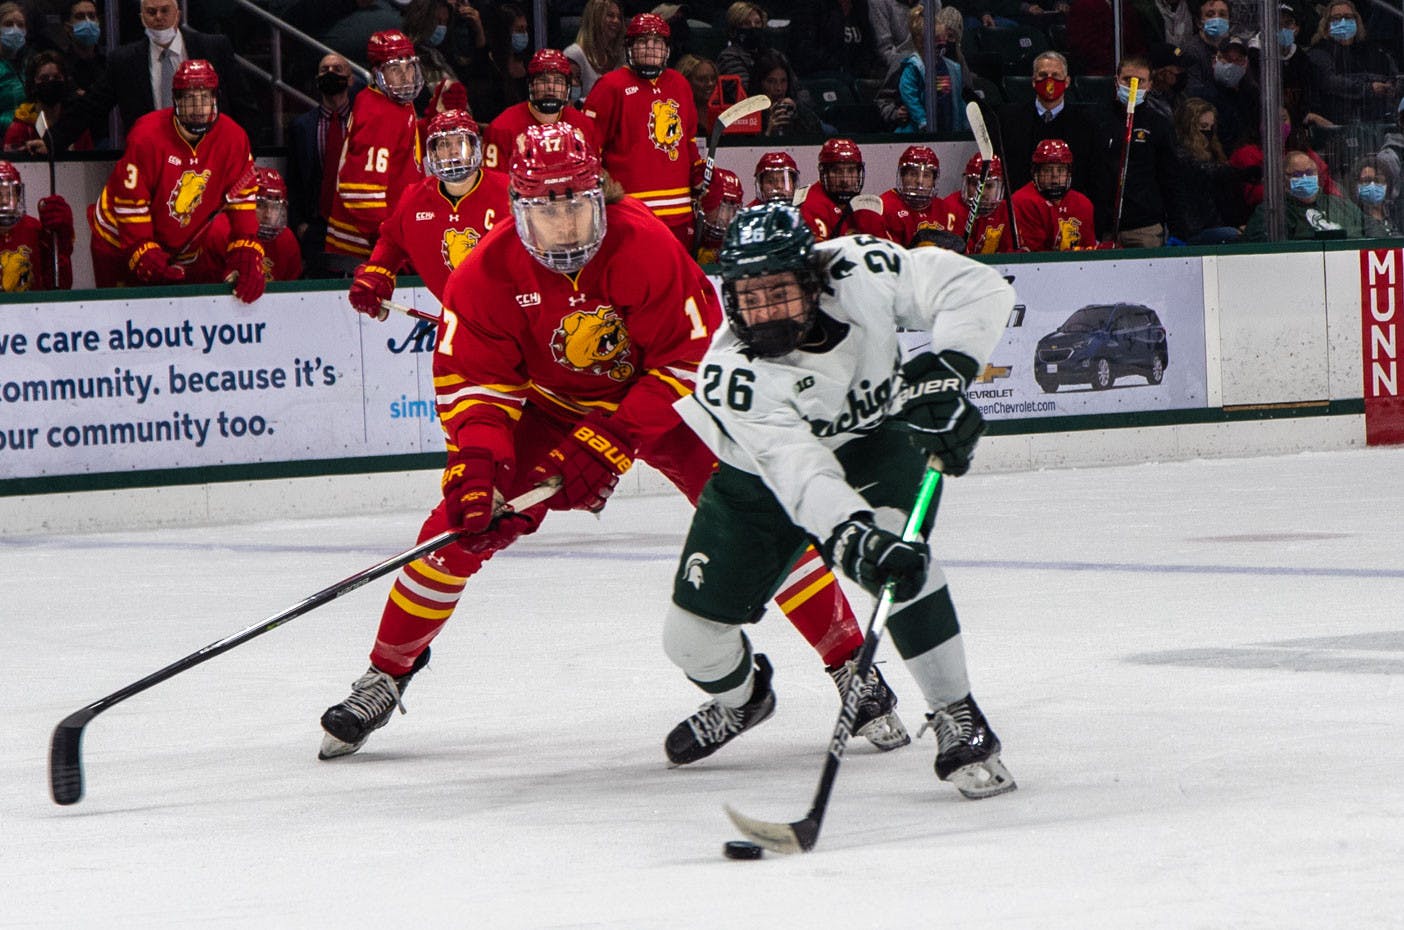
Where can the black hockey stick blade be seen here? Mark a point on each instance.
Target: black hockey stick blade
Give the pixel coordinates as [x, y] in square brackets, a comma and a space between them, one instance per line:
[66, 745]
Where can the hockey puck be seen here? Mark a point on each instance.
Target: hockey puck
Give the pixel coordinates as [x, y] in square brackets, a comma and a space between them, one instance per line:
[740, 849]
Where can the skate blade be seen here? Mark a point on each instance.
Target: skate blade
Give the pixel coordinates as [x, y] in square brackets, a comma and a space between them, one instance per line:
[982, 779]
[333, 748]
[886, 732]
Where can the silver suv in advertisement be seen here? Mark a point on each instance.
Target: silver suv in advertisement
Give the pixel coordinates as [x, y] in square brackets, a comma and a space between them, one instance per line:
[1100, 343]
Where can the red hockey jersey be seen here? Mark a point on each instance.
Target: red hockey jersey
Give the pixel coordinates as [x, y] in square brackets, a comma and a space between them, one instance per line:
[643, 128]
[1045, 226]
[379, 160]
[624, 335]
[27, 259]
[502, 132]
[828, 220]
[164, 189]
[991, 232]
[903, 222]
[282, 257]
[432, 233]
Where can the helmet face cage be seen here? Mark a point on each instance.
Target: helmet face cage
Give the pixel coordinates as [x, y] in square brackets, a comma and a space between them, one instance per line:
[776, 184]
[770, 279]
[11, 198]
[916, 182]
[453, 154]
[649, 61]
[547, 91]
[842, 181]
[716, 220]
[1052, 179]
[272, 214]
[400, 79]
[562, 232]
[994, 193]
[196, 109]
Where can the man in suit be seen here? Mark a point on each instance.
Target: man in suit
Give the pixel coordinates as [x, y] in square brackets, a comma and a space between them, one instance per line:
[314, 140]
[1025, 125]
[138, 76]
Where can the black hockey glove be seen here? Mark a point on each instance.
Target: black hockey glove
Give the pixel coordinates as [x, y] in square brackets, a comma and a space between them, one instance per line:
[938, 418]
[872, 556]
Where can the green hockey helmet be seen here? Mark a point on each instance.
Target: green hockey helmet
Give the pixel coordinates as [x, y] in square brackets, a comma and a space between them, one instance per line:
[770, 278]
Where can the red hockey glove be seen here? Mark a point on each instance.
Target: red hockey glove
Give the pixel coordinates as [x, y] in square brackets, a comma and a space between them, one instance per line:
[698, 180]
[505, 530]
[589, 462]
[56, 217]
[372, 285]
[244, 259]
[468, 483]
[151, 265]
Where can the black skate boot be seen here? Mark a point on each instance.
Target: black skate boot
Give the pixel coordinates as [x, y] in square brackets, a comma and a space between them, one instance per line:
[967, 750]
[713, 726]
[373, 697]
[877, 719]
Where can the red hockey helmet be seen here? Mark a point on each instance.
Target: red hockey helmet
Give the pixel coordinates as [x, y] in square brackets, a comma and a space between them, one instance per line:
[548, 80]
[272, 202]
[389, 45]
[841, 169]
[396, 65]
[720, 203]
[840, 152]
[650, 63]
[557, 196]
[453, 147]
[1052, 152]
[193, 88]
[994, 185]
[1052, 168]
[548, 61]
[647, 24]
[777, 176]
[11, 195]
[918, 170]
[195, 73]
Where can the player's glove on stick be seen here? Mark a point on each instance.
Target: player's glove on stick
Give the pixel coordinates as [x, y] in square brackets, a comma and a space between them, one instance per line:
[244, 259]
[505, 530]
[372, 285]
[589, 462]
[939, 420]
[468, 489]
[872, 556]
[150, 263]
[56, 217]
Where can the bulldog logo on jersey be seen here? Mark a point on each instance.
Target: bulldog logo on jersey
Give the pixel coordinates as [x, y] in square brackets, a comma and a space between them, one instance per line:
[665, 127]
[988, 241]
[189, 191]
[1069, 233]
[16, 269]
[457, 244]
[594, 342]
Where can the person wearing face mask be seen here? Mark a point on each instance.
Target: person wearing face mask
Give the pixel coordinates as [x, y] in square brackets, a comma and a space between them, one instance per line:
[1200, 48]
[509, 51]
[1151, 188]
[548, 76]
[745, 31]
[15, 55]
[81, 42]
[1210, 188]
[1168, 79]
[1234, 91]
[1024, 125]
[48, 87]
[1375, 195]
[1311, 213]
[1354, 77]
[314, 143]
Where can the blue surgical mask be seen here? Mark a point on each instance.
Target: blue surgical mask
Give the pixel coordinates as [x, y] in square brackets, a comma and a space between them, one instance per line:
[1343, 30]
[520, 41]
[1304, 188]
[1285, 37]
[1229, 74]
[86, 32]
[12, 37]
[436, 38]
[1123, 93]
[1371, 192]
[1215, 27]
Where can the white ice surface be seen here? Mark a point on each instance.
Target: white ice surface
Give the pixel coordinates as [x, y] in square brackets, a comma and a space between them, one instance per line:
[1195, 669]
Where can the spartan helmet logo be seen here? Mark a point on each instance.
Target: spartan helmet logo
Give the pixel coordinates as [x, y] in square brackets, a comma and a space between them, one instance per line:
[189, 191]
[665, 127]
[457, 244]
[692, 569]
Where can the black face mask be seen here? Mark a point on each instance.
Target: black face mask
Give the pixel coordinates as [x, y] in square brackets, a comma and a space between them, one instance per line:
[752, 40]
[330, 83]
[1179, 83]
[49, 93]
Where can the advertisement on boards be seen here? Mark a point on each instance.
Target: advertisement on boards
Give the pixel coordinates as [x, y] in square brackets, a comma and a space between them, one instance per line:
[1381, 287]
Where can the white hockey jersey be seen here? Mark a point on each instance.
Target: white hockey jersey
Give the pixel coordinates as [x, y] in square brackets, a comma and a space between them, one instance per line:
[781, 418]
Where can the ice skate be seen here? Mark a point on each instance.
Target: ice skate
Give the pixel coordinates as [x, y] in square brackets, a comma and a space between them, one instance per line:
[713, 726]
[967, 750]
[877, 719]
[374, 696]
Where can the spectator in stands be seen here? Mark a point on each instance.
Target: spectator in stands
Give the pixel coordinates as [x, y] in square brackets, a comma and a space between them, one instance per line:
[973, 83]
[1376, 195]
[701, 73]
[315, 140]
[790, 112]
[891, 32]
[911, 86]
[138, 76]
[599, 45]
[15, 53]
[1206, 177]
[1090, 34]
[1248, 157]
[80, 45]
[349, 32]
[834, 35]
[1311, 213]
[1297, 73]
[509, 62]
[1177, 23]
[1052, 217]
[1233, 90]
[1151, 189]
[47, 85]
[426, 22]
[1168, 79]
[28, 246]
[1201, 47]
[837, 206]
[465, 48]
[987, 230]
[745, 35]
[1354, 76]
[1024, 125]
[1392, 151]
[547, 94]
[777, 178]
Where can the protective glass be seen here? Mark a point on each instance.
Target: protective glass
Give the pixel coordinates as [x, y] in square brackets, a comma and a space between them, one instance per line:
[452, 156]
[400, 79]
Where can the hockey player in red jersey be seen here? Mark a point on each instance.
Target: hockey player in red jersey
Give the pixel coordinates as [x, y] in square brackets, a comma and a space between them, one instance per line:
[1052, 216]
[548, 84]
[990, 233]
[777, 176]
[837, 206]
[380, 157]
[182, 165]
[912, 205]
[644, 114]
[714, 211]
[440, 220]
[27, 245]
[567, 336]
[282, 257]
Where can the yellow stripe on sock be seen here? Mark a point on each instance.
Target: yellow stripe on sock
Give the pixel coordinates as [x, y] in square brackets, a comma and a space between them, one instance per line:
[807, 593]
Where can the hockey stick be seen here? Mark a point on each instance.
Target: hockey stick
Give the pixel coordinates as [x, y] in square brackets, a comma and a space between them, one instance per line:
[973, 209]
[976, 115]
[801, 835]
[738, 110]
[1125, 161]
[41, 126]
[65, 749]
[410, 311]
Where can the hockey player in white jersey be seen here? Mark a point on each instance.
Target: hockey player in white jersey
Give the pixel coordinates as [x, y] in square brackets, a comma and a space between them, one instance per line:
[823, 434]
